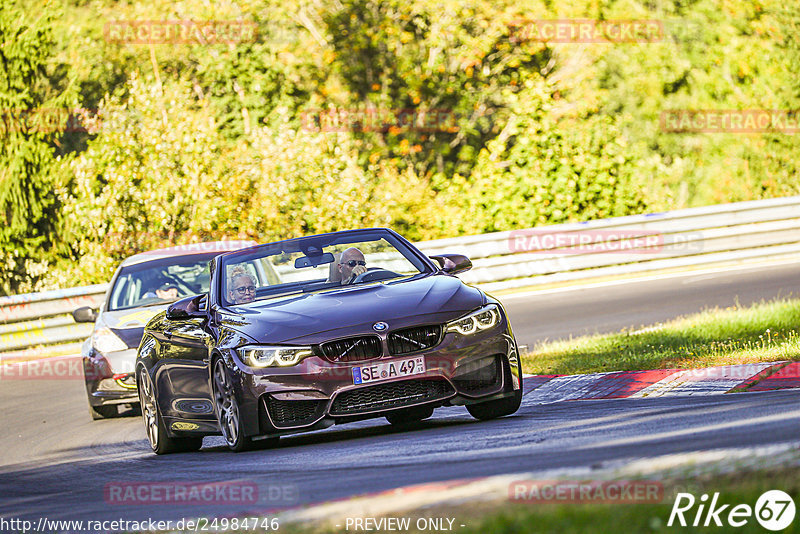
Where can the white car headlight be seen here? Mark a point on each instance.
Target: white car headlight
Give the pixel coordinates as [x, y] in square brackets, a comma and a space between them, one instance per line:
[484, 318]
[263, 356]
[104, 340]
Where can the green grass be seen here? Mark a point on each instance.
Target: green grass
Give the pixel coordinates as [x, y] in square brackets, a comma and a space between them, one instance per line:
[506, 517]
[741, 488]
[769, 331]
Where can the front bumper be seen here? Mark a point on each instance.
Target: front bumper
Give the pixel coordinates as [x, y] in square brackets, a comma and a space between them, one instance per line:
[461, 369]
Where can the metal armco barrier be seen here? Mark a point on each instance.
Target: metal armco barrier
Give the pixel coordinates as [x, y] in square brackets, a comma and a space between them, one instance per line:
[39, 324]
[622, 245]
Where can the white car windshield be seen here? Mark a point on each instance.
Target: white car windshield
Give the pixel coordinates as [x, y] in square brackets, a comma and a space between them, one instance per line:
[159, 281]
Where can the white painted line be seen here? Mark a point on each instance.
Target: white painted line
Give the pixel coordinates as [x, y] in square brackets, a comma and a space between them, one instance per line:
[708, 381]
[563, 388]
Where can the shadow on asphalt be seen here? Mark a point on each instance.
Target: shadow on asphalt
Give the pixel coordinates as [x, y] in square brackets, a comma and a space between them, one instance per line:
[330, 435]
[343, 434]
[558, 436]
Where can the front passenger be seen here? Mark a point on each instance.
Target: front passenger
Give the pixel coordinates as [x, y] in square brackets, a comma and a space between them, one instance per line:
[242, 287]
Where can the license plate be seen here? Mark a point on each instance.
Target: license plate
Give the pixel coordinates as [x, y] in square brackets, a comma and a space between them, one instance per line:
[387, 370]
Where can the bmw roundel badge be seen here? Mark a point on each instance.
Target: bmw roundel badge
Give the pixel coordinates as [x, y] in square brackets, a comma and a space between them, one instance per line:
[380, 326]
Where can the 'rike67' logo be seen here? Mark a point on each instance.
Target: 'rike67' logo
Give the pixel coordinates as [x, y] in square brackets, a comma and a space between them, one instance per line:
[774, 510]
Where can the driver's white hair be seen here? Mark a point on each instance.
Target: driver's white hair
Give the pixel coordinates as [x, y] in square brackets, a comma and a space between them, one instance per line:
[239, 272]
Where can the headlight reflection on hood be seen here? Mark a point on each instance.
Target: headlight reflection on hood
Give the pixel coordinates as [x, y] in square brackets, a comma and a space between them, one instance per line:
[481, 319]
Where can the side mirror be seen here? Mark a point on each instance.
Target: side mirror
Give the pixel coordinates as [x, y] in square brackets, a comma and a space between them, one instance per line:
[453, 263]
[187, 308]
[84, 314]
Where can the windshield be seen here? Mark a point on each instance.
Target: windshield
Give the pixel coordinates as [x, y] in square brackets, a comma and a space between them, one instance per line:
[159, 281]
[317, 263]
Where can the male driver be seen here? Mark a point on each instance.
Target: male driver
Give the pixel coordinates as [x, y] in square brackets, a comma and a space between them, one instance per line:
[242, 287]
[351, 264]
[165, 291]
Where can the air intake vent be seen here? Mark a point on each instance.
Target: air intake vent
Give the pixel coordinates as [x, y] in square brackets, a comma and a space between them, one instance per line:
[390, 395]
[480, 380]
[294, 412]
[352, 349]
[414, 339]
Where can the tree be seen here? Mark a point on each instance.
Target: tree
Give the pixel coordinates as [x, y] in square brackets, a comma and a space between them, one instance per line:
[35, 94]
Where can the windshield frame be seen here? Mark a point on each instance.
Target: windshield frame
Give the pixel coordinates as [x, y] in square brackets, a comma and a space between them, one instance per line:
[419, 260]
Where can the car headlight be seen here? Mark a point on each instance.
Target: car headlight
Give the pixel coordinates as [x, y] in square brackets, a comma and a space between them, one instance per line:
[262, 356]
[484, 318]
[104, 340]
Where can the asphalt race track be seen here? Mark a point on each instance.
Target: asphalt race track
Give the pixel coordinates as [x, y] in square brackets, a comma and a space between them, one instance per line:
[559, 315]
[57, 463]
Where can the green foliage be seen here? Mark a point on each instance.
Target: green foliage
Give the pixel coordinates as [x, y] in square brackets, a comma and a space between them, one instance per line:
[32, 91]
[246, 83]
[141, 182]
[210, 141]
[161, 173]
[454, 58]
[541, 171]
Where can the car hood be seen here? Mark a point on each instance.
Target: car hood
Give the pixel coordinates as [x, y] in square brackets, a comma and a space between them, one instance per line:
[129, 324]
[354, 309]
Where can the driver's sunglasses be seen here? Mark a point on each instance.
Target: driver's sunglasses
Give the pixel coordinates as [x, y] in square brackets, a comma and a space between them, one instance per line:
[353, 263]
[245, 289]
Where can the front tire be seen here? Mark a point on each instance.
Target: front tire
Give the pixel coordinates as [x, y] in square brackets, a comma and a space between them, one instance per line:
[160, 441]
[227, 410]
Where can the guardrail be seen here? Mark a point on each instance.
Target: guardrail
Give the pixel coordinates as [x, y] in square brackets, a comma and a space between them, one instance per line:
[623, 245]
[38, 324]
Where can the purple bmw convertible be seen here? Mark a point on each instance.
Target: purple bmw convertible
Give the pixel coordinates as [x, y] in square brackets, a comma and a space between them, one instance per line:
[301, 334]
